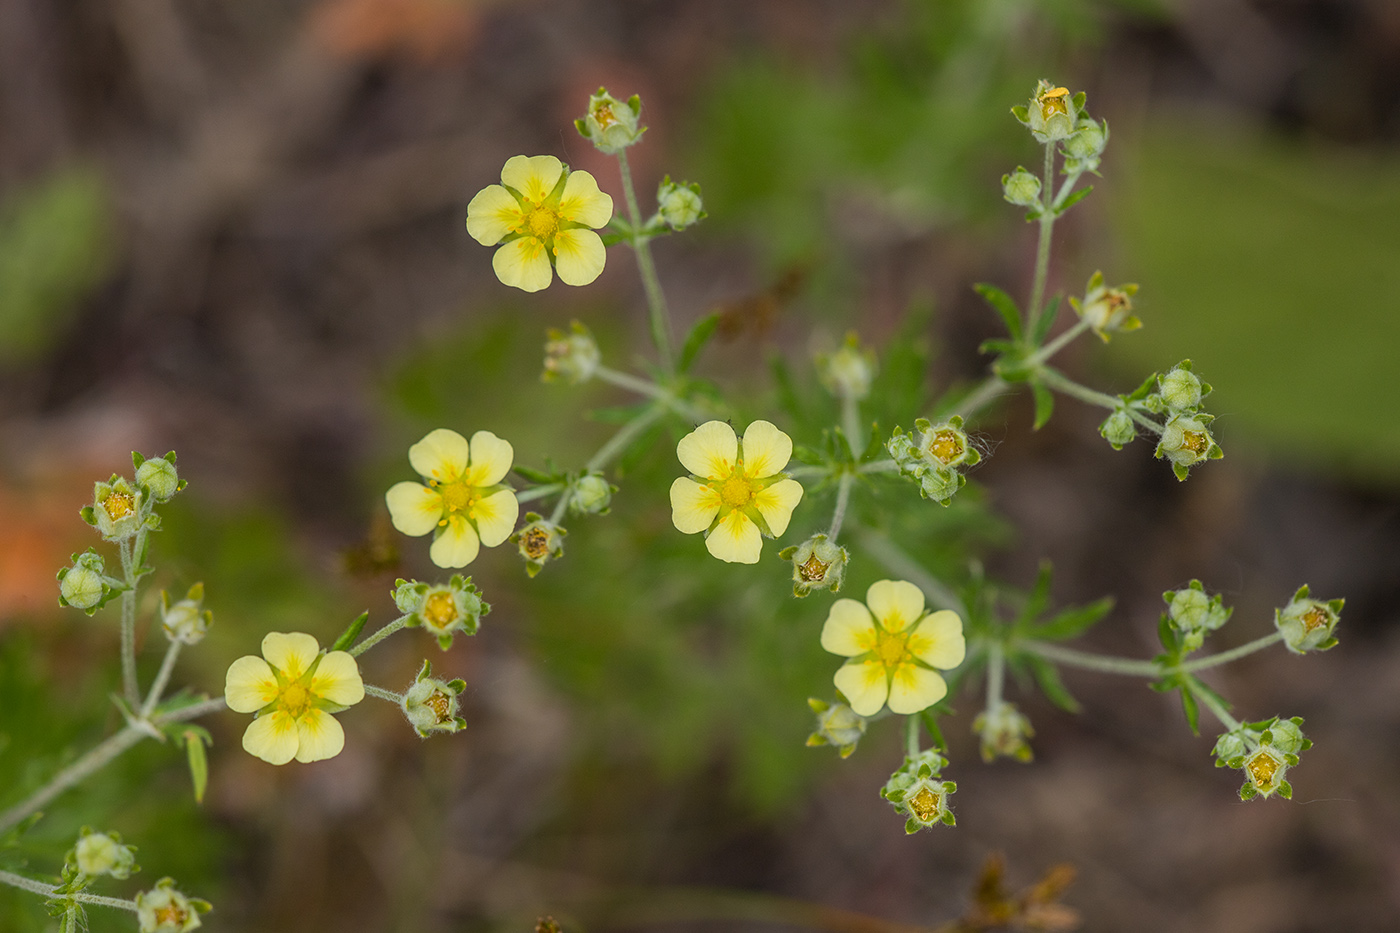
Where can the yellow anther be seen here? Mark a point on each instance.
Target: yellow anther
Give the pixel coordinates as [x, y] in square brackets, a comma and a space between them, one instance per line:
[813, 569]
[736, 492]
[1196, 442]
[440, 609]
[1262, 768]
[441, 706]
[946, 446]
[119, 505]
[925, 805]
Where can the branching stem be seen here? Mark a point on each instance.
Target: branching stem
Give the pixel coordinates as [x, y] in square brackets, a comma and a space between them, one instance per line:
[167, 665]
[656, 298]
[48, 891]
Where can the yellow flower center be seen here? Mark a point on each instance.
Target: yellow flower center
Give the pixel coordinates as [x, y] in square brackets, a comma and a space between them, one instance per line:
[1195, 441]
[1053, 101]
[170, 914]
[1314, 618]
[924, 804]
[440, 705]
[603, 114]
[1262, 768]
[119, 505]
[946, 446]
[295, 698]
[736, 492]
[892, 648]
[440, 609]
[542, 223]
[813, 569]
[535, 542]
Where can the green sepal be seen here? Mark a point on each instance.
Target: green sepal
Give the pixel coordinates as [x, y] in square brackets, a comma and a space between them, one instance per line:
[695, 341]
[930, 721]
[444, 642]
[948, 818]
[1044, 404]
[1180, 471]
[1285, 790]
[1248, 792]
[88, 515]
[1004, 305]
[1078, 100]
[911, 826]
[1021, 113]
[196, 738]
[137, 459]
[352, 631]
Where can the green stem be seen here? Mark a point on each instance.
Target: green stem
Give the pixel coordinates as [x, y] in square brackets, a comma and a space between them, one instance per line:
[850, 423]
[1093, 662]
[382, 694]
[167, 665]
[1225, 657]
[1059, 343]
[1042, 251]
[843, 497]
[1059, 381]
[538, 492]
[911, 736]
[1208, 700]
[372, 640]
[656, 299]
[619, 441]
[896, 561]
[632, 383]
[982, 396]
[130, 686]
[996, 672]
[48, 890]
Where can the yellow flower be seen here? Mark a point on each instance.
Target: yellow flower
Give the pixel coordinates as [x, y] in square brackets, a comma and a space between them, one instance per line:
[737, 493]
[294, 691]
[892, 648]
[464, 501]
[540, 214]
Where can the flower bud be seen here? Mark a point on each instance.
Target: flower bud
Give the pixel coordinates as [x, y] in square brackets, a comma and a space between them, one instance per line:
[592, 495]
[574, 356]
[539, 541]
[916, 790]
[1052, 113]
[115, 509]
[838, 725]
[158, 475]
[165, 910]
[817, 563]
[1085, 146]
[610, 124]
[1307, 624]
[103, 854]
[946, 445]
[1181, 389]
[441, 610]
[1118, 429]
[187, 620]
[848, 372]
[1192, 613]
[430, 704]
[1187, 441]
[1107, 310]
[679, 205]
[1003, 731]
[1021, 188]
[1264, 751]
[84, 585]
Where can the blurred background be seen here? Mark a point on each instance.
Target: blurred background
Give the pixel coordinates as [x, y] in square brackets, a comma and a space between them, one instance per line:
[236, 229]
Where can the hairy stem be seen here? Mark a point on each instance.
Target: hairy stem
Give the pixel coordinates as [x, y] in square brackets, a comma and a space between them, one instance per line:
[167, 665]
[131, 688]
[996, 672]
[1042, 251]
[372, 640]
[538, 492]
[48, 890]
[911, 736]
[1233, 654]
[1062, 383]
[382, 694]
[656, 299]
[1209, 701]
[1059, 343]
[1107, 664]
[843, 498]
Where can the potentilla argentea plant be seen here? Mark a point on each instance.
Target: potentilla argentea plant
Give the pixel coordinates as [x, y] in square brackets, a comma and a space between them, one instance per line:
[902, 649]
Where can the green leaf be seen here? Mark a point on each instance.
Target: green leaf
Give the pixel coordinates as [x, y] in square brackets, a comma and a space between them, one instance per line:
[1046, 321]
[1072, 200]
[1003, 304]
[347, 638]
[1044, 404]
[1073, 622]
[695, 341]
[1192, 709]
[1047, 676]
[1039, 596]
[536, 476]
[195, 739]
[788, 398]
[930, 720]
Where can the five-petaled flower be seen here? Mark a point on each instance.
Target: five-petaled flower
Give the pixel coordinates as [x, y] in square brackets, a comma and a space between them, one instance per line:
[737, 493]
[464, 500]
[892, 648]
[294, 691]
[541, 213]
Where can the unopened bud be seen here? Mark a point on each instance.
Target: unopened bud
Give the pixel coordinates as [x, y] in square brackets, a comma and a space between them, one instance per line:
[572, 356]
[1307, 624]
[610, 124]
[679, 205]
[1021, 188]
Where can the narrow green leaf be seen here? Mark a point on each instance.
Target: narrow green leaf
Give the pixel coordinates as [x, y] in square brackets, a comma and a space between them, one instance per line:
[1039, 596]
[1072, 623]
[347, 638]
[695, 341]
[1044, 404]
[1047, 321]
[1192, 709]
[199, 763]
[1004, 305]
[930, 721]
[1048, 678]
[535, 476]
[1072, 200]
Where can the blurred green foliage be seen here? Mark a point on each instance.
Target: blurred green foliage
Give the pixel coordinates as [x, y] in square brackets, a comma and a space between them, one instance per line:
[1276, 268]
[55, 247]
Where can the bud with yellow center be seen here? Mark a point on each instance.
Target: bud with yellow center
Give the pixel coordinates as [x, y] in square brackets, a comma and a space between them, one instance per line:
[817, 563]
[917, 790]
[838, 725]
[441, 610]
[1186, 441]
[117, 510]
[1052, 113]
[1264, 751]
[430, 704]
[610, 124]
[163, 909]
[539, 541]
[1107, 310]
[1308, 624]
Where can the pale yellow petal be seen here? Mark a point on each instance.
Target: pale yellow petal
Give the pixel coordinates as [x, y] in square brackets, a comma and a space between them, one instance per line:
[490, 461]
[442, 455]
[776, 503]
[896, 604]
[495, 517]
[456, 546]
[291, 654]
[337, 679]
[533, 176]
[249, 685]
[413, 508]
[493, 214]
[319, 736]
[583, 202]
[736, 539]
[864, 685]
[914, 688]
[523, 264]
[693, 507]
[578, 256]
[272, 737]
[710, 450]
[939, 640]
[766, 450]
[849, 630]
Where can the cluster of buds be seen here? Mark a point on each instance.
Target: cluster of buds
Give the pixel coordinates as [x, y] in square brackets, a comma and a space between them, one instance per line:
[573, 356]
[1194, 614]
[1264, 751]
[817, 563]
[185, 621]
[678, 204]
[611, 125]
[163, 909]
[539, 541]
[1308, 624]
[934, 456]
[848, 372]
[1186, 438]
[1003, 731]
[917, 791]
[1107, 309]
[430, 704]
[85, 585]
[99, 854]
[441, 610]
[837, 725]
